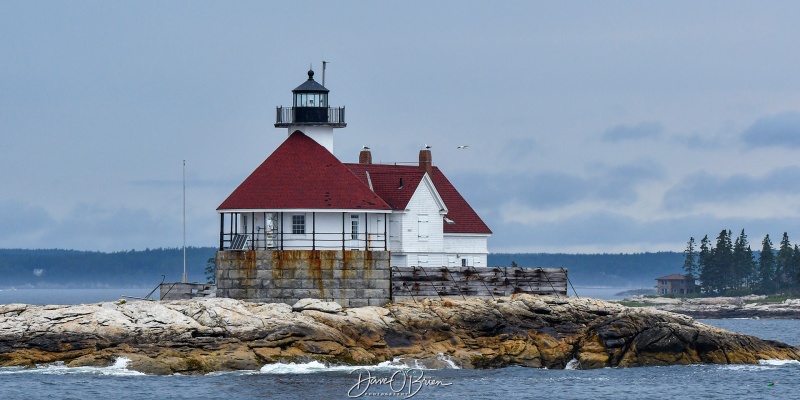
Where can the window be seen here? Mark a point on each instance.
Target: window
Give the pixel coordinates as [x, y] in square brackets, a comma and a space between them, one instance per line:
[299, 224]
[310, 99]
[354, 227]
[463, 262]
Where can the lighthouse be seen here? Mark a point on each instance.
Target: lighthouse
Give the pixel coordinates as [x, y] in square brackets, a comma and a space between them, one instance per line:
[304, 224]
[311, 114]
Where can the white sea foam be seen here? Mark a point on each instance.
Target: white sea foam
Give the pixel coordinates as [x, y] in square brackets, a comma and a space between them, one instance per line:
[779, 362]
[316, 366]
[118, 369]
[573, 364]
[303, 368]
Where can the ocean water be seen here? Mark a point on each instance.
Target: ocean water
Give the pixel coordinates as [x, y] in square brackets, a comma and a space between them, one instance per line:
[82, 296]
[768, 380]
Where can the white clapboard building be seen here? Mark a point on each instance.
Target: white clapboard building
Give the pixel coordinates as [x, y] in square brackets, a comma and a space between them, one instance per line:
[303, 198]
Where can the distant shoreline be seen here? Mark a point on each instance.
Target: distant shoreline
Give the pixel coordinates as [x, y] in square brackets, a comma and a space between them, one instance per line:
[751, 307]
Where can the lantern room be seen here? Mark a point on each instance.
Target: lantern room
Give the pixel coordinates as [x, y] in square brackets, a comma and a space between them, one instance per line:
[310, 113]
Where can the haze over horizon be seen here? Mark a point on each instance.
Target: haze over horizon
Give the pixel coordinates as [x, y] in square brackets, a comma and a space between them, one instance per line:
[592, 127]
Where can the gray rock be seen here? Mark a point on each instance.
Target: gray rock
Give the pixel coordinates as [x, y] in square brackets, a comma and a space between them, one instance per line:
[317, 305]
[218, 334]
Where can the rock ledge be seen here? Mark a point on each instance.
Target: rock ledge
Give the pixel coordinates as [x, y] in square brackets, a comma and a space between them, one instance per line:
[218, 334]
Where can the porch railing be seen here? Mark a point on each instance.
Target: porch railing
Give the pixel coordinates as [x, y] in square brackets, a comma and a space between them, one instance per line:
[310, 241]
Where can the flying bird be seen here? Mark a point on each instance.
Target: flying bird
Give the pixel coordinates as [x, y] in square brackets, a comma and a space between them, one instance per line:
[463, 147]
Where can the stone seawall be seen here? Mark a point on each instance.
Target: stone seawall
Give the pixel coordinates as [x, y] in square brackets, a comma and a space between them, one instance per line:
[416, 283]
[351, 278]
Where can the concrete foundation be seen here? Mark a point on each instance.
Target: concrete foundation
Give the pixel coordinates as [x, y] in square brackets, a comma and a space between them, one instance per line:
[351, 278]
[185, 290]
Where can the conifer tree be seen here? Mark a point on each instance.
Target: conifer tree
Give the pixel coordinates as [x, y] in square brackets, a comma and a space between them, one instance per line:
[742, 262]
[752, 276]
[796, 265]
[211, 270]
[704, 267]
[783, 263]
[723, 262]
[766, 266]
[689, 259]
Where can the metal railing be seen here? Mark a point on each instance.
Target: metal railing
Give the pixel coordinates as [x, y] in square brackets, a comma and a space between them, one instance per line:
[299, 115]
[310, 241]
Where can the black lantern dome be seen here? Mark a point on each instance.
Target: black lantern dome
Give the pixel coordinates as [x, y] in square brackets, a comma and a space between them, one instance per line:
[310, 107]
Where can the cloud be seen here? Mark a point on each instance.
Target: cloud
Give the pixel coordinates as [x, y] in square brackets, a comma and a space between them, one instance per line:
[550, 190]
[781, 129]
[97, 227]
[21, 223]
[697, 141]
[86, 227]
[643, 130]
[614, 232]
[705, 188]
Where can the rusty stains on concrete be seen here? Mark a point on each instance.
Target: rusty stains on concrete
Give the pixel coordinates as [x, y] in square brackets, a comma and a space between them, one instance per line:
[315, 270]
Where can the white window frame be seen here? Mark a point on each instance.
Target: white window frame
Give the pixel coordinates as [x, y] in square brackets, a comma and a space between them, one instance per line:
[354, 223]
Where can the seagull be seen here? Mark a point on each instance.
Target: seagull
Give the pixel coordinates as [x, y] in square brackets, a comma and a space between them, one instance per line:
[427, 147]
[365, 148]
[463, 147]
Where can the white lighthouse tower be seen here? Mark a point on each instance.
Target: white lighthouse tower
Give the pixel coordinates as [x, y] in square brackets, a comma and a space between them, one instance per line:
[311, 114]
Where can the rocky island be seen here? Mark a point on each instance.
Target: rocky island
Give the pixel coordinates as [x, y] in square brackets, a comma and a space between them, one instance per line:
[752, 306]
[201, 336]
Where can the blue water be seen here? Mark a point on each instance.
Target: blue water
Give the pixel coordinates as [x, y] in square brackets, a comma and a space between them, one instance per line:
[69, 296]
[313, 381]
[82, 296]
[707, 382]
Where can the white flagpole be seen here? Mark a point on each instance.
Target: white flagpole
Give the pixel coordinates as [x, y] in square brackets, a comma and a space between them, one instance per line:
[184, 221]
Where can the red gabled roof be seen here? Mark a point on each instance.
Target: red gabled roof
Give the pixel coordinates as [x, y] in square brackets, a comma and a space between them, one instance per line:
[301, 174]
[672, 277]
[386, 183]
[458, 210]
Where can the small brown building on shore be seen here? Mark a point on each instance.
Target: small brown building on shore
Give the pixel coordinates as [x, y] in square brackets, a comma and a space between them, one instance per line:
[675, 284]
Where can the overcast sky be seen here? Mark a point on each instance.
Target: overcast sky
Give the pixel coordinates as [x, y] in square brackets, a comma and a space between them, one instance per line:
[592, 126]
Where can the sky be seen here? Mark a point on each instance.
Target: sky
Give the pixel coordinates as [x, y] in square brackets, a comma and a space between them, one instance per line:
[593, 127]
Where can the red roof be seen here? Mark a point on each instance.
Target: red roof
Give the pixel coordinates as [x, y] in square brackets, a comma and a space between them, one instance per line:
[672, 277]
[301, 174]
[386, 183]
[394, 183]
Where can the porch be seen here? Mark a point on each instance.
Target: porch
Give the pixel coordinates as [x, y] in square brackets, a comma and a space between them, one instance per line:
[303, 230]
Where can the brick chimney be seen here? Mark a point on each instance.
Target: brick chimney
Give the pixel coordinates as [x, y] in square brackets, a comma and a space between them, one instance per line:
[365, 157]
[425, 160]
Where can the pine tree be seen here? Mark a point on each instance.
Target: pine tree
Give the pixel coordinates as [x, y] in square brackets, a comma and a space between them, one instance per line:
[752, 276]
[689, 260]
[704, 265]
[211, 270]
[796, 265]
[783, 263]
[742, 262]
[766, 266]
[723, 262]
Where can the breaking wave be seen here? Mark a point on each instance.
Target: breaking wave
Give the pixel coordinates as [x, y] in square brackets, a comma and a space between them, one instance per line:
[572, 364]
[440, 362]
[779, 362]
[120, 368]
